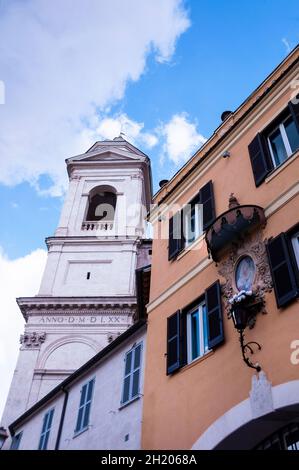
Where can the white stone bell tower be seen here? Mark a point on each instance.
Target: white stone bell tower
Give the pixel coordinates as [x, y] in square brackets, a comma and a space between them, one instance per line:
[88, 293]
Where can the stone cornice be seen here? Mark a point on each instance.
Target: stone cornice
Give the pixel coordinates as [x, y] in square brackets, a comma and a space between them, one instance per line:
[91, 240]
[75, 305]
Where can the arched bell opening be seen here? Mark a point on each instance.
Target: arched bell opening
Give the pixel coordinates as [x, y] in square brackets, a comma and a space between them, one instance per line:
[101, 204]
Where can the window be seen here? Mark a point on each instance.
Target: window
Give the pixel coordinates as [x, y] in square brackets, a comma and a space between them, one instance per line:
[192, 222]
[132, 374]
[196, 329]
[283, 140]
[15, 442]
[295, 244]
[292, 439]
[46, 428]
[276, 143]
[283, 257]
[84, 407]
[197, 332]
[286, 438]
[189, 223]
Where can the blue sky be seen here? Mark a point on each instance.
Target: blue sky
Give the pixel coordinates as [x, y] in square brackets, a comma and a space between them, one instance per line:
[225, 52]
[161, 70]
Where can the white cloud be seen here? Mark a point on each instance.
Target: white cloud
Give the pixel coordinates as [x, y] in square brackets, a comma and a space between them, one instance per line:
[181, 138]
[20, 277]
[287, 45]
[62, 63]
[103, 127]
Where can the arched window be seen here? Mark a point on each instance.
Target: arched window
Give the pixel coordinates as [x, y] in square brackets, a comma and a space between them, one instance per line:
[101, 206]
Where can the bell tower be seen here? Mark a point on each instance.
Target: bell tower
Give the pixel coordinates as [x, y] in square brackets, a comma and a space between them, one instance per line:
[88, 291]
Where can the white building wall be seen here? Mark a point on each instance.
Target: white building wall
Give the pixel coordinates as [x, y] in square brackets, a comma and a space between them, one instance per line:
[111, 264]
[76, 316]
[31, 430]
[109, 422]
[19, 392]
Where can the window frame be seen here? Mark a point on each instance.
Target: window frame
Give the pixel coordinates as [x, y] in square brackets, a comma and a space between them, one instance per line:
[260, 148]
[202, 333]
[83, 406]
[279, 124]
[45, 433]
[285, 141]
[294, 238]
[194, 203]
[131, 374]
[16, 440]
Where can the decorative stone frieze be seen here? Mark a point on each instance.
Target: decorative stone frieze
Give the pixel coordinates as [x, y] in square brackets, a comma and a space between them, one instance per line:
[32, 340]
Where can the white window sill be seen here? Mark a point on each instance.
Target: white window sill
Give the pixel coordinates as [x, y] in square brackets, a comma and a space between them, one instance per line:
[77, 433]
[124, 405]
[192, 246]
[277, 170]
[198, 359]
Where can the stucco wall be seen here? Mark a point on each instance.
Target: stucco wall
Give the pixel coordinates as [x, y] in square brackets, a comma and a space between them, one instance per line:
[109, 424]
[180, 407]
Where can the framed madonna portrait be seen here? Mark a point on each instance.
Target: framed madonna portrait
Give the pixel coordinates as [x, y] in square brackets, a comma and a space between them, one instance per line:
[245, 273]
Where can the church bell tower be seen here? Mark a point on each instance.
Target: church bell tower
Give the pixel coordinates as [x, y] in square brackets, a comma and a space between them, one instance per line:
[88, 291]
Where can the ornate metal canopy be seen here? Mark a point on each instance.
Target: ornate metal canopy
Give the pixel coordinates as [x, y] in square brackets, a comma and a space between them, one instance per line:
[232, 225]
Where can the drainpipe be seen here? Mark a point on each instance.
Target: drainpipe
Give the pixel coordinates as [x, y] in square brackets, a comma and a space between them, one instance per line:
[66, 395]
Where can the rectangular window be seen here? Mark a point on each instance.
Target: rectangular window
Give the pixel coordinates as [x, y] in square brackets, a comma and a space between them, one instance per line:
[197, 332]
[15, 442]
[186, 225]
[84, 407]
[283, 140]
[192, 222]
[295, 244]
[46, 428]
[132, 374]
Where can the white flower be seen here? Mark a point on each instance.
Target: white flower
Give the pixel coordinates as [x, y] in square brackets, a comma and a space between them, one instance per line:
[240, 296]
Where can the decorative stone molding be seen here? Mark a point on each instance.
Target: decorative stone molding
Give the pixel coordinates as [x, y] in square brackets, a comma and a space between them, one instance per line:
[35, 306]
[62, 341]
[261, 400]
[255, 247]
[104, 312]
[232, 201]
[32, 340]
[137, 176]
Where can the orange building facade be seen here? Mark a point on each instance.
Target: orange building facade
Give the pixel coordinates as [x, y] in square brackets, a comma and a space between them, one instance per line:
[225, 273]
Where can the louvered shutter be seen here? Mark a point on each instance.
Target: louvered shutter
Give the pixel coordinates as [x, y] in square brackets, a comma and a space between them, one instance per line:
[282, 270]
[175, 236]
[173, 342]
[260, 159]
[214, 315]
[206, 198]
